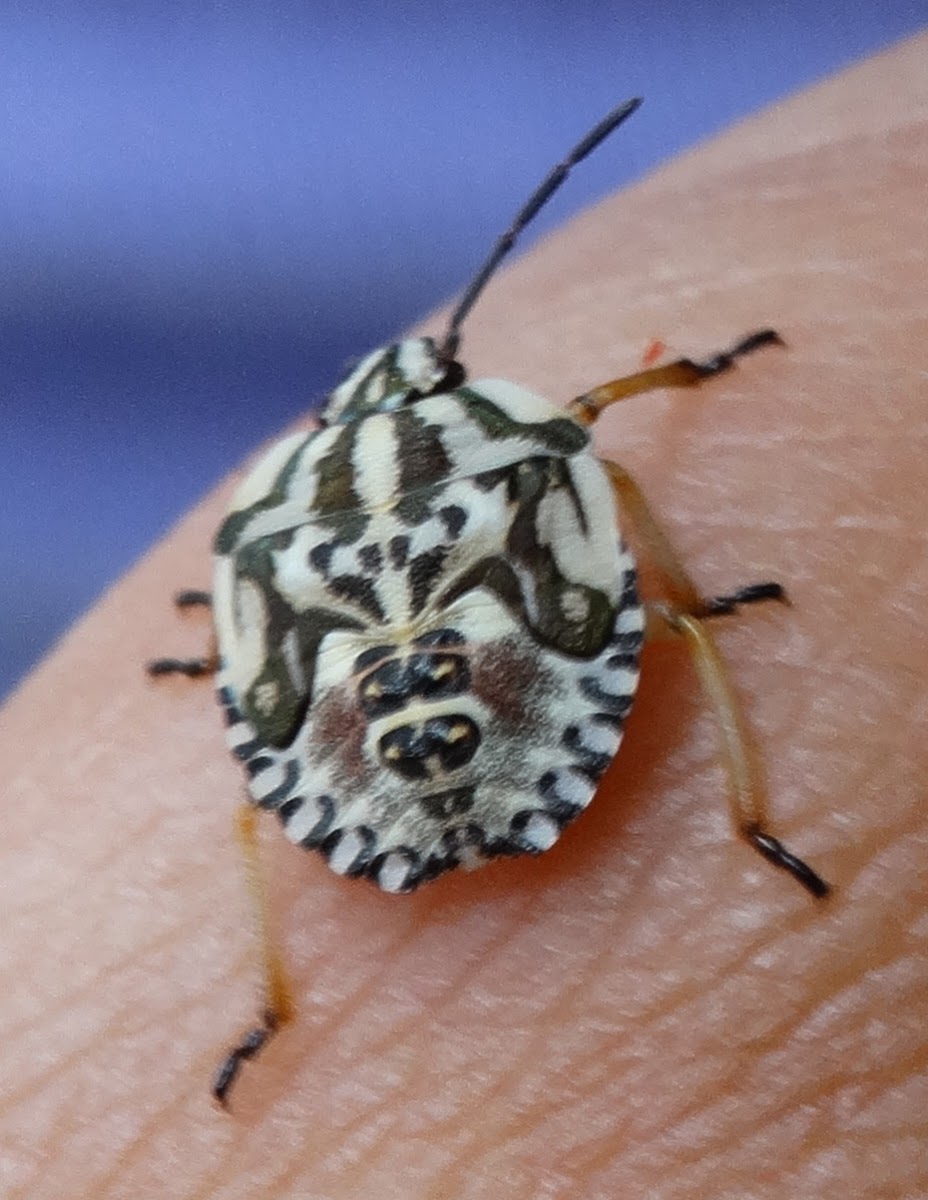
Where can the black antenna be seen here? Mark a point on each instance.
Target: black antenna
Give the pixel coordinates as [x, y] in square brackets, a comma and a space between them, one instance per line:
[538, 199]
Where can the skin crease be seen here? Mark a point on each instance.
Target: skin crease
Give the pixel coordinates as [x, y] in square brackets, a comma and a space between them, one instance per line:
[649, 1009]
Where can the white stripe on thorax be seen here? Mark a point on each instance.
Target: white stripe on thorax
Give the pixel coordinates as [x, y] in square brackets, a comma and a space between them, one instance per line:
[374, 461]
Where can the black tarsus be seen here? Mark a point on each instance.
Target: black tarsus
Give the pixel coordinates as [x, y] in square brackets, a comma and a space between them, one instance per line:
[725, 359]
[193, 598]
[751, 593]
[193, 668]
[251, 1044]
[529, 210]
[774, 851]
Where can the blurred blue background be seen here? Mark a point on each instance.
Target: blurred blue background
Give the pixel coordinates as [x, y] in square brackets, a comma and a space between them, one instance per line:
[207, 208]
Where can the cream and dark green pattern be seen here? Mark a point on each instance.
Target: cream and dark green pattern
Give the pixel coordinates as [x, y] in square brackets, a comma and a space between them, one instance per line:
[428, 624]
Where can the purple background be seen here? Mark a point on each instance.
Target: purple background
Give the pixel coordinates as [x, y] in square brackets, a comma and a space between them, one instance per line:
[206, 209]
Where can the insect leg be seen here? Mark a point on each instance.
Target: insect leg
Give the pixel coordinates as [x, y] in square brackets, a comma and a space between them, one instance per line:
[746, 788]
[193, 598]
[682, 614]
[685, 372]
[278, 1006]
[681, 590]
[193, 668]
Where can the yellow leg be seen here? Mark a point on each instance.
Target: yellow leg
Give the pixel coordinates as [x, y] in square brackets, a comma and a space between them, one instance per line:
[680, 589]
[746, 788]
[682, 373]
[278, 1005]
[683, 614]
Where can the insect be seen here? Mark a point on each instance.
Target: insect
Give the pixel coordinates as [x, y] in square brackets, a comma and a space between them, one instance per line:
[428, 624]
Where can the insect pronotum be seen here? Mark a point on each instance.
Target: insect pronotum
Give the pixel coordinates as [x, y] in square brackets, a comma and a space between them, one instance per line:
[427, 622]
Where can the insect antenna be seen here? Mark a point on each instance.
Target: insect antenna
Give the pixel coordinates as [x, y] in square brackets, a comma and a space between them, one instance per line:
[538, 199]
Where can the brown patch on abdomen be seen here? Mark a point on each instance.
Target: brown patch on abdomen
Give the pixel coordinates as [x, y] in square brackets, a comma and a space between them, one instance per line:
[506, 677]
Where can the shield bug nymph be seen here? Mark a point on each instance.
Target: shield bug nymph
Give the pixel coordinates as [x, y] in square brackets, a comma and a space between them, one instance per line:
[427, 619]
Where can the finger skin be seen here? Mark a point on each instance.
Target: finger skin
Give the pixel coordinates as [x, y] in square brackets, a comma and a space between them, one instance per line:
[648, 1009]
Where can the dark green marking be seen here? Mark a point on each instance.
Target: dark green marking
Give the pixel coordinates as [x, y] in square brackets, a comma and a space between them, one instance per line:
[560, 435]
[232, 527]
[420, 454]
[277, 722]
[335, 488]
